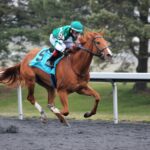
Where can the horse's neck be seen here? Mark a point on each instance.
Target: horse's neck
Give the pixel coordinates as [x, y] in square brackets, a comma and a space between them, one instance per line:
[81, 62]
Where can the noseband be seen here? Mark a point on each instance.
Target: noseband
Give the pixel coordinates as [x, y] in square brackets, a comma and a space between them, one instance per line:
[99, 50]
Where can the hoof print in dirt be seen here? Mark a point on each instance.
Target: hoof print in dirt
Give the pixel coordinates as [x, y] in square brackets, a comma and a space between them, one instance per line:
[12, 129]
[2, 130]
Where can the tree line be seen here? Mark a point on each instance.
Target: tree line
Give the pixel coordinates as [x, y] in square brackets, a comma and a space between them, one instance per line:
[122, 20]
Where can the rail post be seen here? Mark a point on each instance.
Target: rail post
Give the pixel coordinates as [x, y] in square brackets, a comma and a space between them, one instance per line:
[20, 110]
[115, 102]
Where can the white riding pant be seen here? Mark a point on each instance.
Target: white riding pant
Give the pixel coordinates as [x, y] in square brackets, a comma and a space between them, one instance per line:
[61, 45]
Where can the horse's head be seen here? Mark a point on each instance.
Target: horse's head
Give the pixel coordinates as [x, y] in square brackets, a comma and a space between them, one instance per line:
[95, 44]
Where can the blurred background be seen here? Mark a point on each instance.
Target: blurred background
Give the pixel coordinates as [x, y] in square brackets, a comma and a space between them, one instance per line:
[26, 24]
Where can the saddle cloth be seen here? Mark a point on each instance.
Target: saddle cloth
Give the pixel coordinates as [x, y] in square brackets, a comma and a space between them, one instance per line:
[39, 61]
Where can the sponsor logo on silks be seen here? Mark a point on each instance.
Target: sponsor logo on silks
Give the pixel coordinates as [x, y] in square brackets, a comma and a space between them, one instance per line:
[60, 35]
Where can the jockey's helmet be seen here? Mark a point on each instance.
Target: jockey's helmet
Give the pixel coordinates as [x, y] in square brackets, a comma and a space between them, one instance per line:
[77, 26]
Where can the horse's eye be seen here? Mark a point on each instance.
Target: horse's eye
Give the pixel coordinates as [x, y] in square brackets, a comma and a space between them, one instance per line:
[98, 43]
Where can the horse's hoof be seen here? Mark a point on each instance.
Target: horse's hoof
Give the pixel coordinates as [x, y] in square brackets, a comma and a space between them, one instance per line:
[87, 114]
[65, 122]
[62, 119]
[44, 120]
[59, 115]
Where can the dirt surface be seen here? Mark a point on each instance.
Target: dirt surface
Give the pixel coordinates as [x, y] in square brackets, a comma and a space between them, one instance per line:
[31, 134]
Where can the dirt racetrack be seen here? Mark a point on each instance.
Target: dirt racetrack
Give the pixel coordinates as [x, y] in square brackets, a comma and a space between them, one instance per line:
[31, 134]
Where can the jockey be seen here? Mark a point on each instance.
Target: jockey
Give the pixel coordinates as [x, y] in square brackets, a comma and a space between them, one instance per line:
[63, 38]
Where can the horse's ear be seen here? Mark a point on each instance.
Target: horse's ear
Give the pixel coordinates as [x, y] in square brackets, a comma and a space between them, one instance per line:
[102, 32]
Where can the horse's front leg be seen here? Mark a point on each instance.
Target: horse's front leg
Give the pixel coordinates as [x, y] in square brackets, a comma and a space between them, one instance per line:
[64, 100]
[56, 111]
[90, 92]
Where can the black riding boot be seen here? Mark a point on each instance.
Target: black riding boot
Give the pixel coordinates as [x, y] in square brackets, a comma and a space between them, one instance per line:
[56, 54]
[50, 61]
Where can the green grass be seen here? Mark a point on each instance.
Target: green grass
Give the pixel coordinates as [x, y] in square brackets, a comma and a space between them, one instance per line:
[132, 107]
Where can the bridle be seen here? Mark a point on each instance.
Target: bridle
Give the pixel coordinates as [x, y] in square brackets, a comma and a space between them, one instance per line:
[89, 50]
[99, 50]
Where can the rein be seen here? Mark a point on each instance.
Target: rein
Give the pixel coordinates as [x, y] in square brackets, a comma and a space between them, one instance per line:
[89, 51]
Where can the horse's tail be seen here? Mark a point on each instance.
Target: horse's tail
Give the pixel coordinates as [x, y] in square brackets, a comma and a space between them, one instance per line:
[11, 76]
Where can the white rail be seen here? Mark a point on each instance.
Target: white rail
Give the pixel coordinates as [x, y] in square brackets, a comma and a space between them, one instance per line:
[103, 77]
[118, 77]
[20, 108]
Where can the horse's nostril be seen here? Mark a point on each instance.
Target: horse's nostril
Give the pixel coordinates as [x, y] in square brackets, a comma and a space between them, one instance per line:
[109, 55]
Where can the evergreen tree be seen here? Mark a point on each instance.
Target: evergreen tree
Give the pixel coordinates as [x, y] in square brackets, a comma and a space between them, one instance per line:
[5, 9]
[125, 20]
[122, 20]
[16, 25]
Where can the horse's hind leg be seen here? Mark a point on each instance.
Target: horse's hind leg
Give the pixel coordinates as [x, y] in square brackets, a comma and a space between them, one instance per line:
[31, 85]
[90, 92]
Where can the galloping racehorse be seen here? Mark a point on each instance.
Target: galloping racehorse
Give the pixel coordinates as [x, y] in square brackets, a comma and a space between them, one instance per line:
[72, 75]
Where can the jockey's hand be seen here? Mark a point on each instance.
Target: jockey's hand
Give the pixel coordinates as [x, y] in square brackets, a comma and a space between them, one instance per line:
[66, 52]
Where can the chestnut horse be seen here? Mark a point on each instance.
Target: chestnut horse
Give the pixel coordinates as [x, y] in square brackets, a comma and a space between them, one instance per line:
[72, 75]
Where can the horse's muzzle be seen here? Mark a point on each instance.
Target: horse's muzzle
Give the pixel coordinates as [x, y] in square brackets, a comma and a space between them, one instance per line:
[106, 57]
[109, 55]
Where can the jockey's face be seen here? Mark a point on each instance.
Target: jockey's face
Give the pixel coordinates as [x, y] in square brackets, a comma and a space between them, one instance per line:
[75, 34]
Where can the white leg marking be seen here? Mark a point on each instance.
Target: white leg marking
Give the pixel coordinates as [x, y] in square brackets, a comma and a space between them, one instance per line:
[54, 109]
[39, 108]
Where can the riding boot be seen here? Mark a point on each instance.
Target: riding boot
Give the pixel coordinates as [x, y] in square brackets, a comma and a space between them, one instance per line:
[50, 61]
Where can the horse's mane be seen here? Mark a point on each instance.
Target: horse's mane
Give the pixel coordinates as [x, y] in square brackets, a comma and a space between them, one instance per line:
[88, 35]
